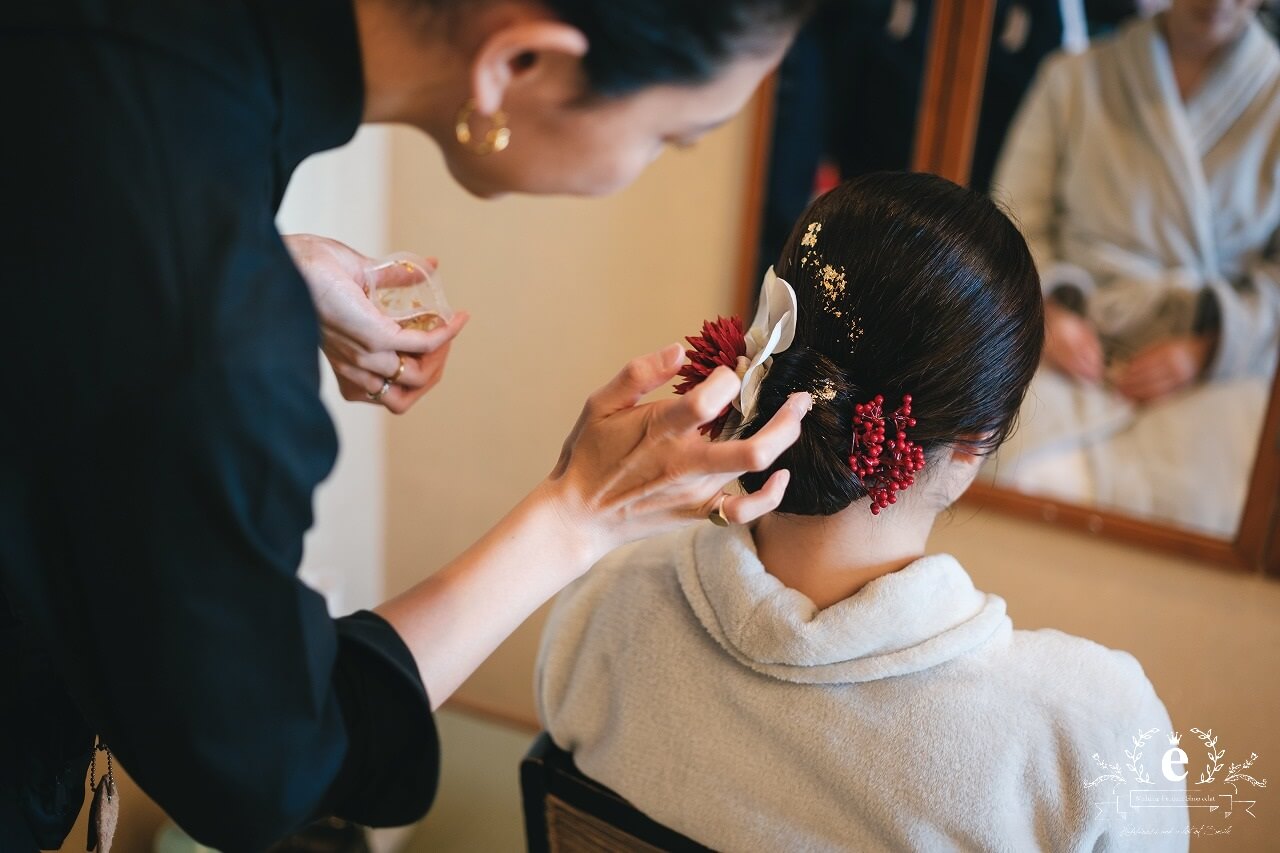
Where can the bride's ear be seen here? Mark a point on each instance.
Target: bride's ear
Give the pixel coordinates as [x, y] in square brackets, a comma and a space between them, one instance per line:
[518, 51]
[962, 462]
[968, 451]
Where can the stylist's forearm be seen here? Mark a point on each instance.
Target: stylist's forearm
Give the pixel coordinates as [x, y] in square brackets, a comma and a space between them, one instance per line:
[627, 471]
[454, 619]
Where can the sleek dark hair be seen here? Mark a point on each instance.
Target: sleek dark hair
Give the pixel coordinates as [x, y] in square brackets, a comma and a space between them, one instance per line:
[638, 43]
[913, 285]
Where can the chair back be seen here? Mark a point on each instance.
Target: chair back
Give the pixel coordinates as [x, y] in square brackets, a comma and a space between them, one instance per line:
[565, 812]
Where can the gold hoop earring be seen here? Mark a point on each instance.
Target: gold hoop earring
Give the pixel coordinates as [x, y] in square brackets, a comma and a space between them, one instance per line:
[496, 138]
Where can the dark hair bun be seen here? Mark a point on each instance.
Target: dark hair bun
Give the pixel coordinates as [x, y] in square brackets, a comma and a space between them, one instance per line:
[905, 284]
[820, 457]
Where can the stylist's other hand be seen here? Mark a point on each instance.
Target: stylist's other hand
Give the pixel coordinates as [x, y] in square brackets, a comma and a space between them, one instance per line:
[1165, 367]
[1071, 344]
[630, 470]
[364, 347]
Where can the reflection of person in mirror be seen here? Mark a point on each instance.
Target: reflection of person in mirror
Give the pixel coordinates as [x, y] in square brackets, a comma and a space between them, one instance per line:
[1146, 175]
[816, 681]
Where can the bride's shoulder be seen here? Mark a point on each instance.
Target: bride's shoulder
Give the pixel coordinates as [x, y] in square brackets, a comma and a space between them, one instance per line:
[1080, 677]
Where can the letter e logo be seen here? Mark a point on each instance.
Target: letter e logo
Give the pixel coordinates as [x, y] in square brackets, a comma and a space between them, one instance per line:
[1172, 757]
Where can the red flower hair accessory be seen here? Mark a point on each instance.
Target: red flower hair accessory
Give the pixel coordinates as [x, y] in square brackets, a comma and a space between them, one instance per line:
[886, 465]
[748, 353]
[722, 342]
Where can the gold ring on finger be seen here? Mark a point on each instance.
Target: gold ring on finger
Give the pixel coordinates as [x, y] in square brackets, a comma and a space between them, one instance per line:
[395, 377]
[716, 516]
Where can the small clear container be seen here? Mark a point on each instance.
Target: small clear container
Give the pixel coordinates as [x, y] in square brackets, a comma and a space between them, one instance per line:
[405, 290]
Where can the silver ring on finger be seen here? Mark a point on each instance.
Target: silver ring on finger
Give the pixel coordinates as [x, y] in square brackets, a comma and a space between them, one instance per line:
[716, 516]
[376, 396]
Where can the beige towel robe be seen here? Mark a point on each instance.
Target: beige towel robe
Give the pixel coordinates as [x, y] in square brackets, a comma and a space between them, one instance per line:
[1145, 203]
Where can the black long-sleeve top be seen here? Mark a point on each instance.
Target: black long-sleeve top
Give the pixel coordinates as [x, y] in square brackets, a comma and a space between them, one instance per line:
[162, 431]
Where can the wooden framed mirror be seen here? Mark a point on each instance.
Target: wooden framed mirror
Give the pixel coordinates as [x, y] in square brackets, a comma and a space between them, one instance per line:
[950, 76]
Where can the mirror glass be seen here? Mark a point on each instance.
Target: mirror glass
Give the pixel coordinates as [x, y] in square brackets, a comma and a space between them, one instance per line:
[1146, 178]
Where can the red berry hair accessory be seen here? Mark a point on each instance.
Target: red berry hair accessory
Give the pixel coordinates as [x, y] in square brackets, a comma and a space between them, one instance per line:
[886, 465]
[722, 342]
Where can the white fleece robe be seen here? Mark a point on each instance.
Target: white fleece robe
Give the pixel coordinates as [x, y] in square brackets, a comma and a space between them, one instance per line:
[1144, 202]
[910, 716]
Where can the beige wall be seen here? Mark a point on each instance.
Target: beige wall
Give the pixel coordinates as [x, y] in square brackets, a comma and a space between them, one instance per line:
[564, 291]
[343, 194]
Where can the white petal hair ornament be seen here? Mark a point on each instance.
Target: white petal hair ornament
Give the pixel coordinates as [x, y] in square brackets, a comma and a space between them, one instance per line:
[749, 353]
[772, 331]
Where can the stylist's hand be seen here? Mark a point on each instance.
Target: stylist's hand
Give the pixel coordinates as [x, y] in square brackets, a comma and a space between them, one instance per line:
[364, 347]
[631, 470]
[1071, 344]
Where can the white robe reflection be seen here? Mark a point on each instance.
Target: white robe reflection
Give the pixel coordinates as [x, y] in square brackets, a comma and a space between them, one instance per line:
[1148, 204]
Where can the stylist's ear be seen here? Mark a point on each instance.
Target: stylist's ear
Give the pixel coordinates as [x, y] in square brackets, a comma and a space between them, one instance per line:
[517, 51]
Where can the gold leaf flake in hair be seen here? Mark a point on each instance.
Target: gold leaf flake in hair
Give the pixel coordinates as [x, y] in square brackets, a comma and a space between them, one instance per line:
[810, 237]
[855, 331]
[833, 282]
[824, 391]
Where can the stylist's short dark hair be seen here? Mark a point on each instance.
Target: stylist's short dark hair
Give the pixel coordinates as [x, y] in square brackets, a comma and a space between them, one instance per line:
[638, 43]
[913, 285]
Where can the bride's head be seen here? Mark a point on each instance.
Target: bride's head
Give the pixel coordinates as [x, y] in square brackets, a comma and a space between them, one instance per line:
[907, 286]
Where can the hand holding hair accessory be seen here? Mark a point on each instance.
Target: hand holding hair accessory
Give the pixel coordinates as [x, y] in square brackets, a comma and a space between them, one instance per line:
[721, 344]
[772, 331]
[749, 354]
[885, 465]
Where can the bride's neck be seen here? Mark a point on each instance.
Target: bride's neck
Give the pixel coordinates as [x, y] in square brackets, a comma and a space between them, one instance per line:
[830, 558]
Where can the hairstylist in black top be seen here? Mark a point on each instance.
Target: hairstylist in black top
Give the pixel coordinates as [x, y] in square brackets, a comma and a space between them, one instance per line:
[164, 432]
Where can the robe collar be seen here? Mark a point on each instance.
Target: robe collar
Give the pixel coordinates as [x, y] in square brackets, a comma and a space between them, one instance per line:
[921, 616]
[1183, 133]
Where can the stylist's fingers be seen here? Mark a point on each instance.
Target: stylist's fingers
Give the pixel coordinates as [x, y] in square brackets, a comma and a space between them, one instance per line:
[411, 372]
[703, 404]
[744, 509]
[368, 382]
[639, 377]
[417, 373]
[395, 399]
[340, 348]
[417, 342]
[762, 449]
[424, 373]
[354, 390]
[351, 391]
